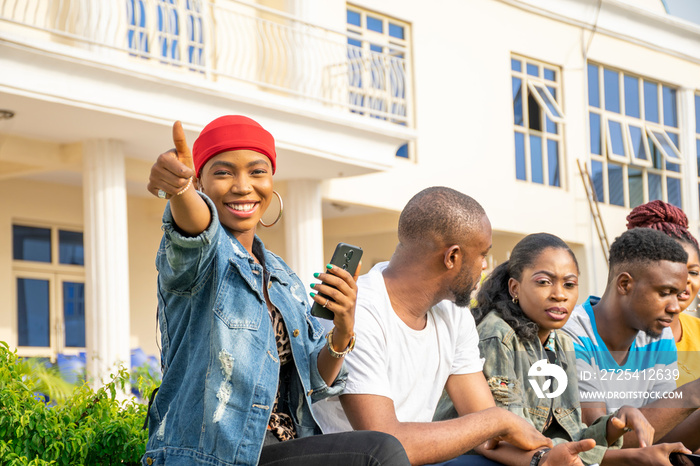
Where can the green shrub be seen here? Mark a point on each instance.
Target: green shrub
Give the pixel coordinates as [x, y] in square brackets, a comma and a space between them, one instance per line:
[85, 427]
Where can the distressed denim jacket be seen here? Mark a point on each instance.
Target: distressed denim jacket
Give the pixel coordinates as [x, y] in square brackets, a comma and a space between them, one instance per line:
[219, 356]
[508, 361]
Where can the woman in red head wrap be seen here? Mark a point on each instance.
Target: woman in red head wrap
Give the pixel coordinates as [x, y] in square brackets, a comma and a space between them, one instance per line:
[671, 220]
[243, 358]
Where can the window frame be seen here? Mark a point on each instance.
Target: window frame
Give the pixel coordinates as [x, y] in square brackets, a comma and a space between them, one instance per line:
[56, 274]
[651, 166]
[538, 87]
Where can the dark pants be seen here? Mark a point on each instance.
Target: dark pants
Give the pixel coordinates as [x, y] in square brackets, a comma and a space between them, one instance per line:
[469, 460]
[357, 448]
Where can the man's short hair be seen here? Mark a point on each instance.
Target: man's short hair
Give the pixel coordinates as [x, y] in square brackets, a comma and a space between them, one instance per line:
[440, 214]
[643, 246]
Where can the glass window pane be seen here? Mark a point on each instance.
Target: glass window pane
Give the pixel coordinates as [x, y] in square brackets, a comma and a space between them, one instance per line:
[70, 247]
[31, 244]
[550, 75]
[670, 165]
[673, 188]
[697, 152]
[520, 156]
[670, 109]
[597, 177]
[547, 100]
[673, 167]
[656, 157]
[551, 126]
[515, 65]
[533, 70]
[654, 187]
[636, 186]
[651, 102]
[375, 24]
[518, 101]
[616, 138]
[666, 144]
[534, 113]
[354, 17]
[697, 113]
[32, 312]
[553, 162]
[536, 166]
[632, 96]
[612, 90]
[74, 313]
[616, 184]
[596, 145]
[402, 151]
[593, 86]
[396, 31]
[637, 139]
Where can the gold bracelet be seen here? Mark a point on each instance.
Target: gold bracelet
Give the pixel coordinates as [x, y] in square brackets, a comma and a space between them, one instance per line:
[334, 353]
[189, 183]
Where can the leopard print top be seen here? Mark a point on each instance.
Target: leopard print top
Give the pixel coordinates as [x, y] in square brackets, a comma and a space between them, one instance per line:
[281, 424]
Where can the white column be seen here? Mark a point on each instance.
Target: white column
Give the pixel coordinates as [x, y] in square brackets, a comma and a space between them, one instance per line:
[687, 143]
[303, 228]
[106, 258]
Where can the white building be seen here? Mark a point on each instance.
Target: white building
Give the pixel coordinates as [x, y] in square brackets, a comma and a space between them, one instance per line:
[369, 102]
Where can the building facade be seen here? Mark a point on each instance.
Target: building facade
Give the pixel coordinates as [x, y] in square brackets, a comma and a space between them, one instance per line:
[369, 102]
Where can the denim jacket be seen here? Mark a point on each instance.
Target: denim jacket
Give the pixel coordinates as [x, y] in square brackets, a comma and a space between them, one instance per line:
[508, 361]
[219, 356]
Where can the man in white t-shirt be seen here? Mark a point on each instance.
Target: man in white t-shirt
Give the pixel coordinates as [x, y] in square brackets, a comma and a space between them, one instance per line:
[416, 338]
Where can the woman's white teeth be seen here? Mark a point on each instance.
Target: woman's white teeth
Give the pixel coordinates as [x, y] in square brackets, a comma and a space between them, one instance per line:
[556, 312]
[242, 207]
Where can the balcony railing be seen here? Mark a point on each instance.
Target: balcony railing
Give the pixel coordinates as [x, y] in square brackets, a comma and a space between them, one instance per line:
[227, 40]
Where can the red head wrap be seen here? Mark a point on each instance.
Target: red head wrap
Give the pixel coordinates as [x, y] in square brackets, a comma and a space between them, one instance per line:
[232, 132]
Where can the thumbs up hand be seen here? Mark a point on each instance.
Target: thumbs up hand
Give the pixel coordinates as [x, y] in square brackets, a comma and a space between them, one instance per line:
[173, 171]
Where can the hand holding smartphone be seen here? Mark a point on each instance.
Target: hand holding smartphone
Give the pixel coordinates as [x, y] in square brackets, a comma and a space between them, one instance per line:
[684, 459]
[347, 257]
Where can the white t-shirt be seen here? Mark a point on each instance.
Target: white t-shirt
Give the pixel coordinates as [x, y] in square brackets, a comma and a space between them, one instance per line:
[408, 366]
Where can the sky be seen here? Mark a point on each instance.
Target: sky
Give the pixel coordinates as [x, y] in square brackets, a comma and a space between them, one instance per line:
[685, 9]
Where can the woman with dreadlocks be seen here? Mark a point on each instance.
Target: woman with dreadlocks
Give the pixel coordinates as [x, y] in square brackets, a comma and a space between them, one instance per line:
[671, 220]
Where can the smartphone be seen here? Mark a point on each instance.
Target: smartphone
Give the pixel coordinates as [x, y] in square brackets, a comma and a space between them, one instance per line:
[347, 257]
[683, 459]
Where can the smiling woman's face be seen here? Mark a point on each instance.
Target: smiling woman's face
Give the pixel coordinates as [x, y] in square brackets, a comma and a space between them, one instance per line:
[548, 289]
[239, 183]
[692, 286]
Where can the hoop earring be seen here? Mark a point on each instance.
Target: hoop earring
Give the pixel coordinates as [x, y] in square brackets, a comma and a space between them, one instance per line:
[515, 300]
[279, 216]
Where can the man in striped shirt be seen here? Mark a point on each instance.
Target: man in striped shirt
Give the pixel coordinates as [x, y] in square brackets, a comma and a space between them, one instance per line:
[625, 351]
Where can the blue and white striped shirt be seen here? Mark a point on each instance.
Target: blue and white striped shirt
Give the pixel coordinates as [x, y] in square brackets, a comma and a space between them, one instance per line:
[648, 373]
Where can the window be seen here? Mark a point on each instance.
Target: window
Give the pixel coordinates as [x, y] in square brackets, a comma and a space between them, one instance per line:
[49, 276]
[697, 136]
[537, 118]
[377, 54]
[137, 34]
[634, 136]
[378, 49]
[174, 39]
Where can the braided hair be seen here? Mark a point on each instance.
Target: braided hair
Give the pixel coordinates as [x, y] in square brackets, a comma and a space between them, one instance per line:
[665, 217]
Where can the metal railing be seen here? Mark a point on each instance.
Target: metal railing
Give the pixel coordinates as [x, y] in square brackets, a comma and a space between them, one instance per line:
[222, 40]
